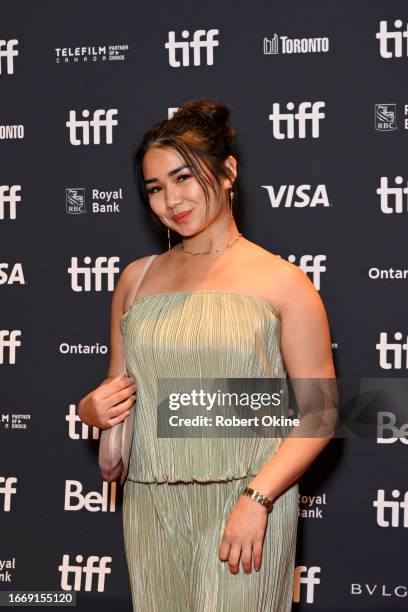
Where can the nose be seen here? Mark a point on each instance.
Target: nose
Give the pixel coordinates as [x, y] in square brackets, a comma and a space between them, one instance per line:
[173, 196]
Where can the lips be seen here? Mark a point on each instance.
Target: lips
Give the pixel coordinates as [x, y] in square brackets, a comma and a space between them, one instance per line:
[181, 216]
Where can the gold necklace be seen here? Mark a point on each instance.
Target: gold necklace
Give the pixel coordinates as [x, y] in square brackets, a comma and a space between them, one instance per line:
[228, 245]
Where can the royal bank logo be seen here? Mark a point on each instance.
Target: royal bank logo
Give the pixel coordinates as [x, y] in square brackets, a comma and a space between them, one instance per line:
[75, 200]
[103, 201]
[286, 45]
[386, 117]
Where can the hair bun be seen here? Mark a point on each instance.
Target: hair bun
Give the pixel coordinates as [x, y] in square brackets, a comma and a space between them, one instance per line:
[207, 109]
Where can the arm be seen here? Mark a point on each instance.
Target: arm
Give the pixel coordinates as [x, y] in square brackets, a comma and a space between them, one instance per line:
[108, 405]
[307, 353]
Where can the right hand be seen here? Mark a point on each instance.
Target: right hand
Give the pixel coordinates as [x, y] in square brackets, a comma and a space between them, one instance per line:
[108, 404]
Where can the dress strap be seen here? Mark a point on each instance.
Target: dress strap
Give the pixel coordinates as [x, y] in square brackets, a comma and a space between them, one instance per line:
[141, 276]
[145, 268]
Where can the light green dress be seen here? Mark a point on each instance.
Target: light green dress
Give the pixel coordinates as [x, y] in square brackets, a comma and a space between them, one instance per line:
[179, 492]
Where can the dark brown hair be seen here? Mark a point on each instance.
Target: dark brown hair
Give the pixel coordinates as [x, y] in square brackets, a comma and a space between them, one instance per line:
[200, 132]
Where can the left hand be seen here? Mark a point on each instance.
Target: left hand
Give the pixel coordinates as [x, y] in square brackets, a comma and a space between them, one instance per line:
[243, 535]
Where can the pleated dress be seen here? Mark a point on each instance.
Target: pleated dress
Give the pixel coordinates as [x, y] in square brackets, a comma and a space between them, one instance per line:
[179, 492]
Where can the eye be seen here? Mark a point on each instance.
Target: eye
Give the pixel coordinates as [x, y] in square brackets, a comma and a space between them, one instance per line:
[183, 176]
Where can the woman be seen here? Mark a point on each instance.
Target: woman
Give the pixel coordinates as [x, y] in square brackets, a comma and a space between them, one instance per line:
[213, 305]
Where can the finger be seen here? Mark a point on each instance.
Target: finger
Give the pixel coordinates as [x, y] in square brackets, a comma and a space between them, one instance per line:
[120, 396]
[233, 558]
[118, 409]
[116, 385]
[117, 420]
[257, 552]
[223, 550]
[246, 558]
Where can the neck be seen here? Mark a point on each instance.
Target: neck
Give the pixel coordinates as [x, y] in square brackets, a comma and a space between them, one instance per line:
[214, 237]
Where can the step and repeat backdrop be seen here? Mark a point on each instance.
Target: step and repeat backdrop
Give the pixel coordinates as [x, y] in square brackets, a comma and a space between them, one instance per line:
[318, 96]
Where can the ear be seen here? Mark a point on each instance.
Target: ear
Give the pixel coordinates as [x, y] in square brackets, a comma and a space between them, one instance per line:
[231, 164]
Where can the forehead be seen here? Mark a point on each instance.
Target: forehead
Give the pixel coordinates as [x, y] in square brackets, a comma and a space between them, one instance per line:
[159, 161]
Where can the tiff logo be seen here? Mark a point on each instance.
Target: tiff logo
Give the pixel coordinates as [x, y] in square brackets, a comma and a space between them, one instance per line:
[9, 52]
[8, 340]
[308, 114]
[101, 119]
[198, 43]
[7, 490]
[395, 348]
[9, 196]
[311, 264]
[392, 509]
[307, 576]
[391, 42]
[94, 566]
[393, 199]
[103, 267]
[72, 418]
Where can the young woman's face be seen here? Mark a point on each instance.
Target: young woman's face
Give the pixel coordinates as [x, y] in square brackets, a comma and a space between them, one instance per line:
[173, 189]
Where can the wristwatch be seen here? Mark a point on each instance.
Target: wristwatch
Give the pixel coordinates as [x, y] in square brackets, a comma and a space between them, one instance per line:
[258, 497]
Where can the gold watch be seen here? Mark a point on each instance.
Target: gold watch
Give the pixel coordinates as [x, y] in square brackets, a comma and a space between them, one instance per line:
[258, 497]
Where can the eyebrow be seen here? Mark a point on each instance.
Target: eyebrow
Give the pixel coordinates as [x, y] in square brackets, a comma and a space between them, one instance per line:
[171, 173]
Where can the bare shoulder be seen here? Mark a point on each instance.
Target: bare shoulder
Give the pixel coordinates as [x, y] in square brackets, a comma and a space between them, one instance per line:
[295, 293]
[127, 280]
[288, 285]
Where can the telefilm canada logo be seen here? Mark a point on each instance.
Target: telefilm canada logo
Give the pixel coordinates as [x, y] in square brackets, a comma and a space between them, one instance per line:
[288, 46]
[91, 54]
[14, 421]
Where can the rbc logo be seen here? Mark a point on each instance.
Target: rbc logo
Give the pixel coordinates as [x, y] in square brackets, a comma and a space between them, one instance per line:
[385, 117]
[101, 119]
[197, 44]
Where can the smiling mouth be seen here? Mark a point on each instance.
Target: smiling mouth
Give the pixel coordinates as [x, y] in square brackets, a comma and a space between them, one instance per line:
[181, 216]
